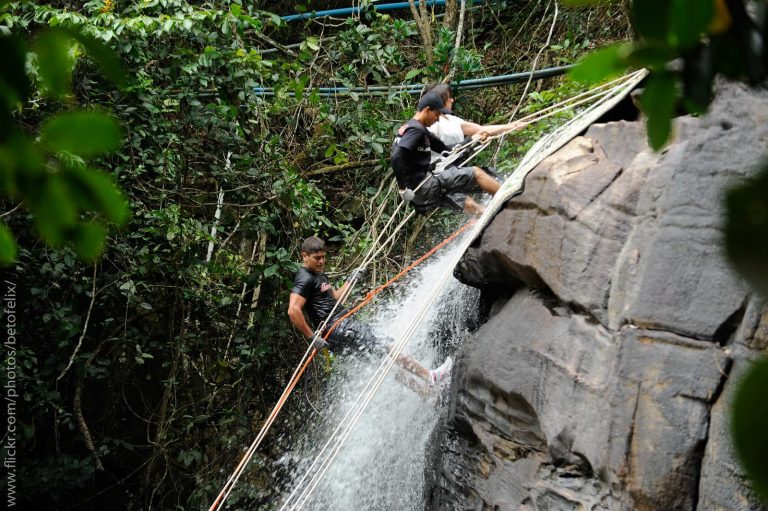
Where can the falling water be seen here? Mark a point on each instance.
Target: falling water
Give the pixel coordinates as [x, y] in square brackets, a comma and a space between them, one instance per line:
[382, 463]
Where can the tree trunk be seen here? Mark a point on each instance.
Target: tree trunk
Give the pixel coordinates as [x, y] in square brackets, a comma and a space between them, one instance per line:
[421, 16]
[257, 287]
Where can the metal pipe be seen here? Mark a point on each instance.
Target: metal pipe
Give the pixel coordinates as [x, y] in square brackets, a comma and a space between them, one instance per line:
[354, 10]
[416, 88]
[331, 38]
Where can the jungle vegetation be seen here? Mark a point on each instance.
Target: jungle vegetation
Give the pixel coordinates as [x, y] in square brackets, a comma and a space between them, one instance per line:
[153, 203]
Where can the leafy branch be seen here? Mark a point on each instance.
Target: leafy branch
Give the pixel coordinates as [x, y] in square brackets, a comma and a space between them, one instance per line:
[70, 201]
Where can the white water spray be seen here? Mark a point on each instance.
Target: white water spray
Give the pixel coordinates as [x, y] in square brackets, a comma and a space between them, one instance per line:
[382, 464]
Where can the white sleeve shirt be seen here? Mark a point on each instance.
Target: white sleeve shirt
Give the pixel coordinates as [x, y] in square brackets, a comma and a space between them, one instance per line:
[448, 129]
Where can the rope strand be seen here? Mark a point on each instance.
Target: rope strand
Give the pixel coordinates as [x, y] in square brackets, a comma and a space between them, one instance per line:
[546, 146]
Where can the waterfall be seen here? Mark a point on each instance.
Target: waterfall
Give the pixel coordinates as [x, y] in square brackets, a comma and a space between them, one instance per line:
[383, 462]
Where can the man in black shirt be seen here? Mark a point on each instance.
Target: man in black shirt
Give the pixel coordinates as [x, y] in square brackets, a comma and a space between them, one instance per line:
[410, 157]
[313, 293]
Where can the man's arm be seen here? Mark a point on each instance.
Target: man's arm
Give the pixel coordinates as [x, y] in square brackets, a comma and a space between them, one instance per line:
[470, 128]
[296, 304]
[437, 145]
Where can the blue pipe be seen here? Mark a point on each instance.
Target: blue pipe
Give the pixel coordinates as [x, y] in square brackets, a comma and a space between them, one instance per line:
[416, 88]
[355, 10]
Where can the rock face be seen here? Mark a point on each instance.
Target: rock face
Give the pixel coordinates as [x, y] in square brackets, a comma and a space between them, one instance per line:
[602, 378]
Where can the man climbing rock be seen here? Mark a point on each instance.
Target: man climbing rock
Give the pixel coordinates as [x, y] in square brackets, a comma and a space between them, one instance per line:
[312, 293]
[411, 154]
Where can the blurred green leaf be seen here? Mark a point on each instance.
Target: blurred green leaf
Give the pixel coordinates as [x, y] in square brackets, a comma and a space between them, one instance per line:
[88, 240]
[746, 230]
[54, 61]
[97, 190]
[650, 18]
[413, 73]
[651, 56]
[7, 246]
[690, 19]
[55, 211]
[21, 164]
[86, 133]
[14, 84]
[601, 64]
[658, 101]
[750, 425]
[106, 59]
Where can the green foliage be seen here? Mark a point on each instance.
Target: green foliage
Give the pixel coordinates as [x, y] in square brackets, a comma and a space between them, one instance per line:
[163, 315]
[14, 85]
[83, 133]
[50, 177]
[749, 424]
[54, 61]
[602, 64]
[746, 230]
[521, 141]
[369, 48]
[7, 246]
[466, 62]
[711, 37]
[181, 353]
[658, 101]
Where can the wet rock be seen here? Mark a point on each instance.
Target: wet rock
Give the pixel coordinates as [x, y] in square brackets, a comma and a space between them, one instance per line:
[660, 415]
[722, 480]
[671, 274]
[596, 382]
[564, 393]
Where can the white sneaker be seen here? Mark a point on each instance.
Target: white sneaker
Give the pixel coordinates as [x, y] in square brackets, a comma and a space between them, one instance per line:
[441, 373]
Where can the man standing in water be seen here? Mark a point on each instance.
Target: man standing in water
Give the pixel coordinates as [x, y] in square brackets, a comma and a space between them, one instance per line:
[312, 293]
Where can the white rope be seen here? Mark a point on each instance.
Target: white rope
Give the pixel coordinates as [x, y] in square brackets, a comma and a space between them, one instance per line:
[562, 106]
[358, 407]
[374, 384]
[546, 146]
[590, 92]
[372, 252]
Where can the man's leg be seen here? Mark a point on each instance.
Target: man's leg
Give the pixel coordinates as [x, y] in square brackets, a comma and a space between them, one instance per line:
[366, 339]
[412, 366]
[472, 207]
[485, 181]
[431, 377]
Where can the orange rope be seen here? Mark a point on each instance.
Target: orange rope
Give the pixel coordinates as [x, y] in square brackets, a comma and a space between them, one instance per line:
[249, 453]
[397, 277]
[276, 410]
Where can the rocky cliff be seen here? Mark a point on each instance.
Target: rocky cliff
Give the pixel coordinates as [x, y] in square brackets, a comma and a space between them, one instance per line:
[617, 332]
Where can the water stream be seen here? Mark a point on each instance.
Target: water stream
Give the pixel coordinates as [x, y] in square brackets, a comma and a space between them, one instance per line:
[382, 463]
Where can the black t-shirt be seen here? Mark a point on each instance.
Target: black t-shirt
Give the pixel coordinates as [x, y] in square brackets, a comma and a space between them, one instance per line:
[411, 153]
[318, 292]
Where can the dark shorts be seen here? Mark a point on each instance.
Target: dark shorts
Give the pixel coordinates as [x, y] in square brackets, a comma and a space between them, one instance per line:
[351, 335]
[447, 189]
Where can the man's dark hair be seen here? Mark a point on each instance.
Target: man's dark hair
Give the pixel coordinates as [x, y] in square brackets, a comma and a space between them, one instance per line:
[312, 245]
[441, 89]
